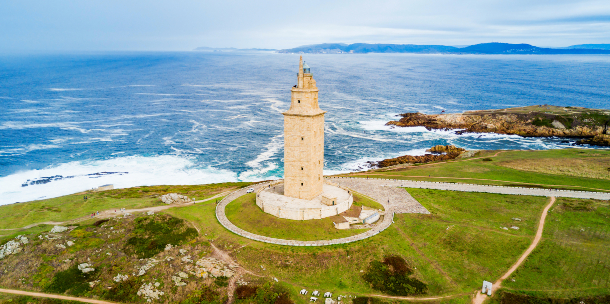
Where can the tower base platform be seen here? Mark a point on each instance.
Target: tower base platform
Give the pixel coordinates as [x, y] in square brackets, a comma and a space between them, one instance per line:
[333, 200]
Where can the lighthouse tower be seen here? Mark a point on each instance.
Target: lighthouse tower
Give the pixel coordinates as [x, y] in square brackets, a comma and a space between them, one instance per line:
[304, 139]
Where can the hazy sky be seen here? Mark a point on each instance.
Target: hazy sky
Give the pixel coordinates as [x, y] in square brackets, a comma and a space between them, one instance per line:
[57, 25]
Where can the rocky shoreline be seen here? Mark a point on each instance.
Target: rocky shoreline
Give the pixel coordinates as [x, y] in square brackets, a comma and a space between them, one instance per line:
[534, 121]
[437, 153]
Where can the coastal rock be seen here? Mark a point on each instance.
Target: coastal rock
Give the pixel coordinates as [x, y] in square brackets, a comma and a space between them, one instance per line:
[446, 149]
[598, 140]
[533, 121]
[439, 153]
[175, 198]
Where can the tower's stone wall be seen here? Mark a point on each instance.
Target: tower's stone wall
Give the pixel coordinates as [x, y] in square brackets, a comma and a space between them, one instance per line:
[304, 140]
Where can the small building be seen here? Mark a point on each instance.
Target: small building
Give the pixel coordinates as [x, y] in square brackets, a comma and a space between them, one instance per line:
[369, 215]
[340, 222]
[328, 201]
[486, 288]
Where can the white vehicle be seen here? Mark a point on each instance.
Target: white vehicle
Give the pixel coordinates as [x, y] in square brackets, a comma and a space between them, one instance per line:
[250, 190]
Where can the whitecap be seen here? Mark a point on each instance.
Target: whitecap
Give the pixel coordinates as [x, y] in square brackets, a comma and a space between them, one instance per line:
[64, 89]
[142, 171]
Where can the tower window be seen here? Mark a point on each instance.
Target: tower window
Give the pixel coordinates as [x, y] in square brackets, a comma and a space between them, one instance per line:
[298, 101]
[301, 184]
[302, 138]
[301, 168]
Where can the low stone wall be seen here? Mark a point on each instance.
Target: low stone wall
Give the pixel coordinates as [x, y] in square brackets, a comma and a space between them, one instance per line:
[222, 218]
[297, 209]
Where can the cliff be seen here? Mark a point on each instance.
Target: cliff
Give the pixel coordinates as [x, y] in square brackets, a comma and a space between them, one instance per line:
[531, 121]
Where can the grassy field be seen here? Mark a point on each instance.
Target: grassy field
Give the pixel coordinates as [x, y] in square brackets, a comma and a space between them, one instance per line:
[453, 249]
[245, 214]
[579, 169]
[74, 206]
[573, 258]
[362, 200]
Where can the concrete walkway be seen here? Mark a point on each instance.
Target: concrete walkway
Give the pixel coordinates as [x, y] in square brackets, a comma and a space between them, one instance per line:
[222, 218]
[377, 182]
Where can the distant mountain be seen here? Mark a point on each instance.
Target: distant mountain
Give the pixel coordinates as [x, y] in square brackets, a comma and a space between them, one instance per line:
[483, 48]
[360, 48]
[209, 49]
[590, 46]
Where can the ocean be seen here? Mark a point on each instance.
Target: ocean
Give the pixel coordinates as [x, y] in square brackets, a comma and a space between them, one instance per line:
[72, 122]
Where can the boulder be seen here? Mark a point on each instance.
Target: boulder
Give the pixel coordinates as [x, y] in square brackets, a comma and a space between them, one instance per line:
[175, 198]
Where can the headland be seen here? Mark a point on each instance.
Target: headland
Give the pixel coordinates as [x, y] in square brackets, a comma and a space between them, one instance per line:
[589, 125]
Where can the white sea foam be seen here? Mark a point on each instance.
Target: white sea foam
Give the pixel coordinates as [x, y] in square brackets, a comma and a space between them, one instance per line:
[158, 170]
[64, 89]
[261, 165]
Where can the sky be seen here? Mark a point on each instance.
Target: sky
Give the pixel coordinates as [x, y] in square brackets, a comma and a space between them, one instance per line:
[177, 25]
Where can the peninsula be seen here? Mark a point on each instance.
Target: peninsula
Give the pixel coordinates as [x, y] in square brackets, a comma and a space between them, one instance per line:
[590, 125]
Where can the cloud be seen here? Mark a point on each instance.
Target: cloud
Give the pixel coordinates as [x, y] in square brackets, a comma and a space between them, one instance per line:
[184, 25]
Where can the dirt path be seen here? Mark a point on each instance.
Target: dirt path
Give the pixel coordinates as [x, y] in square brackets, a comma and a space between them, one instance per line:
[225, 257]
[114, 212]
[480, 298]
[52, 296]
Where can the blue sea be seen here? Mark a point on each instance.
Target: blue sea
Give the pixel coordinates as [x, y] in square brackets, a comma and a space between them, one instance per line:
[73, 122]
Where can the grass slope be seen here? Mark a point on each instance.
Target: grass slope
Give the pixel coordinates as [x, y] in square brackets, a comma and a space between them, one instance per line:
[588, 170]
[74, 206]
[574, 256]
[245, 214]
[450, 261]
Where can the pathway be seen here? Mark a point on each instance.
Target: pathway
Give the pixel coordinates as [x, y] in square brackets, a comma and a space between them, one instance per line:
[380, 182]
[53, 296]
[480, 298]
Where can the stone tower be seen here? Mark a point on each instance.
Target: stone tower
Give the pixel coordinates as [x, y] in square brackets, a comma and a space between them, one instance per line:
[304, 139]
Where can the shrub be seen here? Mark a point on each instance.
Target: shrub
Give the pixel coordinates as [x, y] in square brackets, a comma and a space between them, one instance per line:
[487, 159]
[245, 291]
[152, 234]
[542, 122]
[392, 276]
[71, 280]
[367, 300]
[100, 222]
[221, 281]
[124, 291]
[205, 295]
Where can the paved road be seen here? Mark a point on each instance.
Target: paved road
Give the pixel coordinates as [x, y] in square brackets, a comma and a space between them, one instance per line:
[222, 218]
[473, 188]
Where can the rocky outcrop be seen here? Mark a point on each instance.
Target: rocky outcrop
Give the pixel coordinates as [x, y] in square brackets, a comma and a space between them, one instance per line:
[446, 149]
[598, 140]
[535, 121]
[438, 153]
[175, 198]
